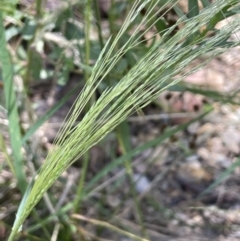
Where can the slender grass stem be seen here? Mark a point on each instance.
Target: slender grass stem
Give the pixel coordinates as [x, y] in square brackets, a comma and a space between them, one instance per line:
[43, 227]
[108, 225]
[38, 9]
[78, 198]
[27, 76]
[111, 20]
[123, 133]
[87, 18]
[12, 109]
[87, 35]
[98, 23]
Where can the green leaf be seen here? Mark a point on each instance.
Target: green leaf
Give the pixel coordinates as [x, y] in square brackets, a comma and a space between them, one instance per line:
[95, 50]
[205, 3]
[215, 95]
[29, 29]
[131, 58]
[161, 26]
[63, 17]
[73, 32]
[21, 52]
[221, 15]
[193, 11]
[11, 106]
[35, 66]
[193, 8]
[180, 13]
[121, 66]
[11, 32]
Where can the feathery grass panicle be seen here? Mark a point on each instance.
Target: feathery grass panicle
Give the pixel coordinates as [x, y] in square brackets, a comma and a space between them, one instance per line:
[152, 74]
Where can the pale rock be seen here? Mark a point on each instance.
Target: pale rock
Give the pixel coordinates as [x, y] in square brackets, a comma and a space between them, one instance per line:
[141, 182]
[219, 158]
[193, 172]
[193, 128]
[113, 201]
[215, 145]
[203, 153]
[206, 128]
[231, 139]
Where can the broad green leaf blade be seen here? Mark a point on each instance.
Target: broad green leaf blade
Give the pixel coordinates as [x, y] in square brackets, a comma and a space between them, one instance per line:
[11, 106]
[193, 8]
[29, 29]
[205, 3]
[161, 26]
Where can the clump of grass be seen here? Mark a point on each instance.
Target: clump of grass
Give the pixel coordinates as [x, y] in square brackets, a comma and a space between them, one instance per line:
[153, 73]
[11, 106]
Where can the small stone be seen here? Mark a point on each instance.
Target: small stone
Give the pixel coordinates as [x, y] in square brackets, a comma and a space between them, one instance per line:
[203, 153]
[215, 145]
[142, 183]
[207, 128]
[193, 128]
[231, 139]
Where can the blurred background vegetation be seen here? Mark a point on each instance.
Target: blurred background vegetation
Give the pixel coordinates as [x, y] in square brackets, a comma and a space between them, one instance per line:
[169, 172]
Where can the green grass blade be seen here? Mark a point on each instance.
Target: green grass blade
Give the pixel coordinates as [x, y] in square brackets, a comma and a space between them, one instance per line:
[81, 183]
[124, 139]
[222, 14]
[193, 8]
[205, 3]
[215, 95]
[193, 11]
[221, 178]
[212, 94]
[180, 13]
[11, 106]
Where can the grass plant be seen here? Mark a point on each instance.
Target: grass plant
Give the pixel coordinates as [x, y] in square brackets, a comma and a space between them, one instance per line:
[11, 106]
[160, 67]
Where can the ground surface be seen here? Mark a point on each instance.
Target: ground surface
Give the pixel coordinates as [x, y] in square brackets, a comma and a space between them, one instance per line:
[176, 172]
